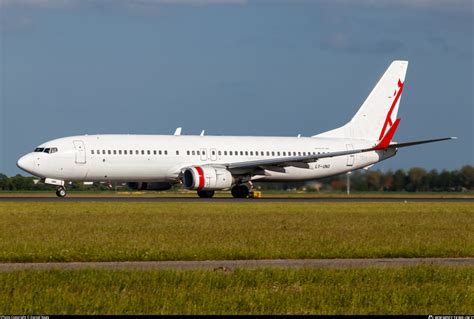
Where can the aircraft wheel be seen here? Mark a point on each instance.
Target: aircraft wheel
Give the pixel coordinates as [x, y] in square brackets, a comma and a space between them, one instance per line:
[205, 194]
[240, 191]
[61, 192]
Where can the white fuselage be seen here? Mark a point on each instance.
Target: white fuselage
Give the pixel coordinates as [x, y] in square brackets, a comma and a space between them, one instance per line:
[161, 158]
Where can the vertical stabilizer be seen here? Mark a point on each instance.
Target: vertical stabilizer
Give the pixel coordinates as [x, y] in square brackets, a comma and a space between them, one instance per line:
[379, 111]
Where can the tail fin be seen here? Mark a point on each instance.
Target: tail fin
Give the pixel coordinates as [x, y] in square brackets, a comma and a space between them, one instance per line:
[379, 111]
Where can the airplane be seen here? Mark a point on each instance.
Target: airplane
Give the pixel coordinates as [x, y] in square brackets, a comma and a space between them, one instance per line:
[210, 163]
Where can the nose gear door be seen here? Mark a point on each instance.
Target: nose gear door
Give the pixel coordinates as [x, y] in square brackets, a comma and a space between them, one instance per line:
[80, 152]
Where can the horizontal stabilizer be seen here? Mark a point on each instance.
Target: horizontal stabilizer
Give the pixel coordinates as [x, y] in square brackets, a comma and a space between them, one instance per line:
[398, 145]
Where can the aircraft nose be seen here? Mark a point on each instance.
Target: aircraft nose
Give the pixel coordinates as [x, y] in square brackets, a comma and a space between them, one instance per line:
[26, 163]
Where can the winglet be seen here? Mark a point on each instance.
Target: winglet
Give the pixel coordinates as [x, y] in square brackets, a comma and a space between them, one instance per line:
[178, 131]
[385, 142]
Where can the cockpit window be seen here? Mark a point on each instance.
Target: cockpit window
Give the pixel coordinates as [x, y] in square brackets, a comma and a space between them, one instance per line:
[48, 150]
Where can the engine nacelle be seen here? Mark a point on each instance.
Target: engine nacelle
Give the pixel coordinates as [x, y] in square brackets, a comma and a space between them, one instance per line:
[153, 186]
[207, 178]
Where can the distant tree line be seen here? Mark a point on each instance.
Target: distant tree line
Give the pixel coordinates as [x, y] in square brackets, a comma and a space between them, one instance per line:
[413, 180]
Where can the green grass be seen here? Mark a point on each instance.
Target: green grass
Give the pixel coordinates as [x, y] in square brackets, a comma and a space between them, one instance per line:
[417, 290]
[42, 232]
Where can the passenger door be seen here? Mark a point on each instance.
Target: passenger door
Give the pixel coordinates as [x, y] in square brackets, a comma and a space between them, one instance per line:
[80, 152]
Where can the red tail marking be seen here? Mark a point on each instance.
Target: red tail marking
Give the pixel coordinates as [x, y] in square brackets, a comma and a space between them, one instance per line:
[201, 177]
[388, 119]
[385, 142]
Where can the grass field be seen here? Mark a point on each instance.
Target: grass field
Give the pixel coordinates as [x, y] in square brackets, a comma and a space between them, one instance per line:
[419, 290]
[41, 232]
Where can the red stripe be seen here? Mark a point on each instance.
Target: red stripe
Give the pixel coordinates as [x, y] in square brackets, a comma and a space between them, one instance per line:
[385, 142]
[388, 119]
[201, 177]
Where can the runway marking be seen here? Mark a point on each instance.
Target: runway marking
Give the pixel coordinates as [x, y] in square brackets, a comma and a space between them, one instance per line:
[247, 264]
[229, 199]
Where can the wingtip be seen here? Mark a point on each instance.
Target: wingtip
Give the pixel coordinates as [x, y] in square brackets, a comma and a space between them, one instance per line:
[454, 137]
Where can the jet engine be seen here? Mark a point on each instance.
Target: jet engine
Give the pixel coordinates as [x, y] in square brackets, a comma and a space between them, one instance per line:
[207, 178]
[153, 186]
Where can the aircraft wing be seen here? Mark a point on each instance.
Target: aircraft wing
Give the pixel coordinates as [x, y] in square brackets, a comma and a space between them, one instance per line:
[293, 161]
[384, 144]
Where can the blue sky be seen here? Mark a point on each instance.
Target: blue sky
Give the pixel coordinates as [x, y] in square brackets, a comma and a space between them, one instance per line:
[233, 67]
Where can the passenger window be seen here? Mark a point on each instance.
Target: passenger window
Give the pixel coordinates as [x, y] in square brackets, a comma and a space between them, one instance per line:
[166, 152]
[131, 152]
[177, 152]
[92, 152]
[103, 152]
[294, 153]
[115, 152]
[160, 152]
[193, 152]
[230, 153]
[278, 153]
[137, 152]
[203, 152]
[109, 152]
[284, 153]
[198, 153]
[225, 153]
[219, 153]
[213, 152]
[187, 152]
[273, 153]
[148, 152]
[251, 153]
[125, 152]
[299, 153]
[268, 153]
[246, 153]
[241, 153]
[143, 152]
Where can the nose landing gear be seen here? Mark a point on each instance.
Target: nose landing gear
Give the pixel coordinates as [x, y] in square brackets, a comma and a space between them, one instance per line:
[61, 191]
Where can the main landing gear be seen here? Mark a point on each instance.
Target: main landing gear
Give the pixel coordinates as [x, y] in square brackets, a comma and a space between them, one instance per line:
[61, 191]
[205, 194]
[240, 191]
